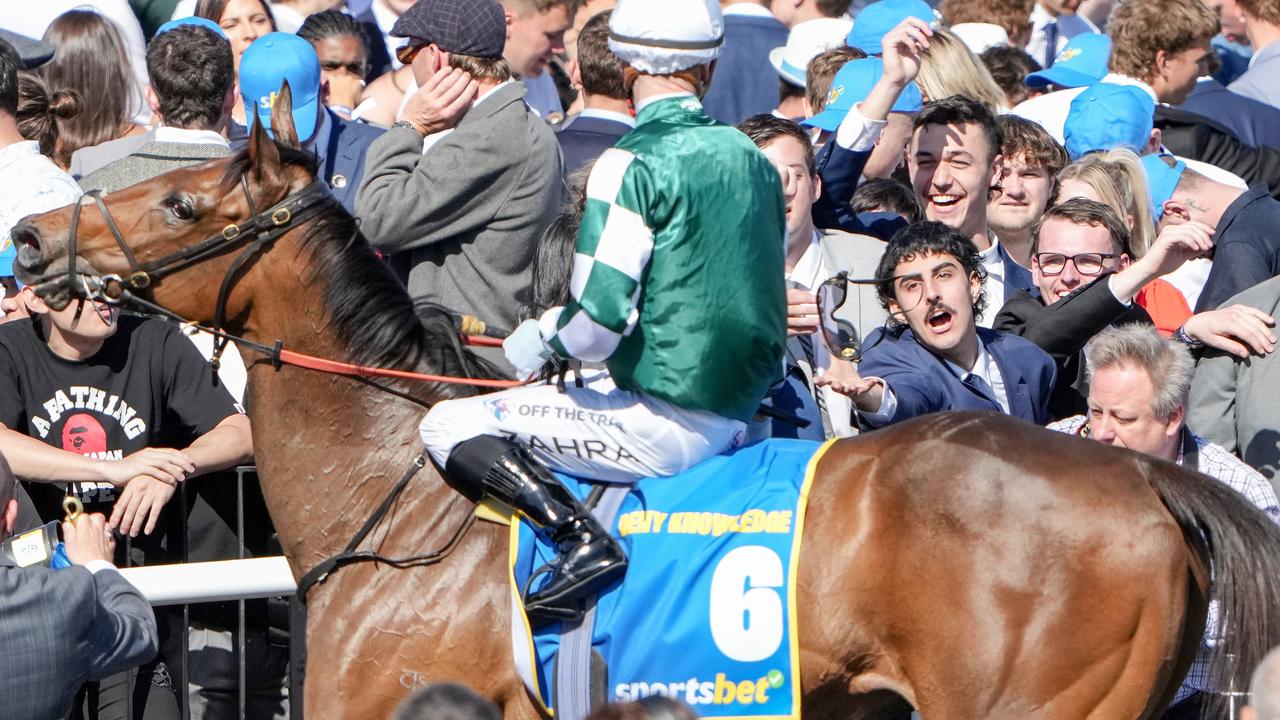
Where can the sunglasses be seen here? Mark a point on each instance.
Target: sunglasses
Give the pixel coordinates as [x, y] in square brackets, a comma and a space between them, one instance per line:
[841, 336]
[354, 67]
[406, 53]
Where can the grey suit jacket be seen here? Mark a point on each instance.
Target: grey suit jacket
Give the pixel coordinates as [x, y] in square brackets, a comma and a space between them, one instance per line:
[147, 162]
[858, 255]
[1262, 80]
[1233, 402]
[470, 211]
[62, 628]
[89, 159]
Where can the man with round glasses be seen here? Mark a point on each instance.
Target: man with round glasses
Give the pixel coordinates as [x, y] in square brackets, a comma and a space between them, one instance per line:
[1087, 278]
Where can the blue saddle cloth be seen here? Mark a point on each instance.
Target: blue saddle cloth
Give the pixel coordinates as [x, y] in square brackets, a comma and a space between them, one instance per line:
[706, 612]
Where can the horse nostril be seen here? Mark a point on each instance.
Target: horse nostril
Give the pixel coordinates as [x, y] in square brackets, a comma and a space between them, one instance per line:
[24, 234]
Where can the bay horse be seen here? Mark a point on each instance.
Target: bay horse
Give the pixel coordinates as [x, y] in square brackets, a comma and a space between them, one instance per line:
[968, 565]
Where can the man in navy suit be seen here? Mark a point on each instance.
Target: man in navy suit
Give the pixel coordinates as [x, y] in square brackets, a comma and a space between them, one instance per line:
[605, 116]
[340, 145]
[933, 356]
[745, 83]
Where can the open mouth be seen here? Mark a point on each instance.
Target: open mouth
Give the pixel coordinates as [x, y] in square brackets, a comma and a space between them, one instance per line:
[944, 200]
[939, 320]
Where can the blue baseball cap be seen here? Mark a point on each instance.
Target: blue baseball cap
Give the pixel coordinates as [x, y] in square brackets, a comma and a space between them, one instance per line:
[1162, 180]
[851, 86]
[1083, 62]
[1107, 116]
[193, 20]
[265, 64]
[7, 255]
[875, 21]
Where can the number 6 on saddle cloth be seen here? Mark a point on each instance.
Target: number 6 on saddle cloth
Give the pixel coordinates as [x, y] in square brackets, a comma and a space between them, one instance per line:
[841, 336]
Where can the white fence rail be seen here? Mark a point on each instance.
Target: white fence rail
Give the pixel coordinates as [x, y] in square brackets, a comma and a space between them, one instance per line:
[200, 582]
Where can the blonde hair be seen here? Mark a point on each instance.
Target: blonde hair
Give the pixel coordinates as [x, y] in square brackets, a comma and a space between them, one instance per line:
[949, 68]
[1118, 178]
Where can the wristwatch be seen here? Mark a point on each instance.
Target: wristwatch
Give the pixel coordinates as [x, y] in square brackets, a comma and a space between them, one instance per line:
[1192, 343]
[406, 124]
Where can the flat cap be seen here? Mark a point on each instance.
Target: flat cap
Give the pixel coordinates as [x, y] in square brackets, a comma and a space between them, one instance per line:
[468, 27]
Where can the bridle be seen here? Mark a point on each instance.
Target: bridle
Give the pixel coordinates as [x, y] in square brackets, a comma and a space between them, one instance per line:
[256, 234]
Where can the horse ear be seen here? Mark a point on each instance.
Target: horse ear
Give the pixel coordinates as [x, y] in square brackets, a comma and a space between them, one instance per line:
[282, 118]
[263, 153]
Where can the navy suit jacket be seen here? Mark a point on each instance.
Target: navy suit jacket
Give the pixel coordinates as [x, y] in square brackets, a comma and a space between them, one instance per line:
[924, 384]
[585, 138]
[840, 169]
[1255, 123]
[744, 83]
[1246, 248]
[340, 147]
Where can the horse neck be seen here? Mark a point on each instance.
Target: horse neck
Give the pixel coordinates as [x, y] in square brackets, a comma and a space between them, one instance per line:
[328, 448]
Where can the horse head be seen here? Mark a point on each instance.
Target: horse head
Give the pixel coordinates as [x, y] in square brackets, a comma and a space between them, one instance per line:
[174, 237]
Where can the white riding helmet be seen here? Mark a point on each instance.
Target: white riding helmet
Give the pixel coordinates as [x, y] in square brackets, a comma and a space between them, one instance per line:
[660, 37]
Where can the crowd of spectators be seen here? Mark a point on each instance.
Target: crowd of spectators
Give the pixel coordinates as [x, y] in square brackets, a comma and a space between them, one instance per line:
[1062, 211]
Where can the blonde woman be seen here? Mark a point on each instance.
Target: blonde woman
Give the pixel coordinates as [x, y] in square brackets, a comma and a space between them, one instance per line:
[1116, 178]
[949, 68]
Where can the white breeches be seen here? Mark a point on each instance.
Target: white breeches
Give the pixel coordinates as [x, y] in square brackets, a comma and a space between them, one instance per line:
[595, 431]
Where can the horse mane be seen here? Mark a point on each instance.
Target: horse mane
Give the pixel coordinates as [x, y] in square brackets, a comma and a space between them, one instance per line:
[369, 310]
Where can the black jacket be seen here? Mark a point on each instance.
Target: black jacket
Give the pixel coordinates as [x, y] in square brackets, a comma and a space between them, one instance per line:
[1189, 135]
[1062, 330]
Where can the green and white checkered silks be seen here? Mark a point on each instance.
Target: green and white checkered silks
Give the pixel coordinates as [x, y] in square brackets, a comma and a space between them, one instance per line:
[615, 244]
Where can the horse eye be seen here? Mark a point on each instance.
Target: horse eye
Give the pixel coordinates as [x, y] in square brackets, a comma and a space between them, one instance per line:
[181, 209]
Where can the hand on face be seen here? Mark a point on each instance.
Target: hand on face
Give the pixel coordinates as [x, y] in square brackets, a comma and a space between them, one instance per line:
[442, 100]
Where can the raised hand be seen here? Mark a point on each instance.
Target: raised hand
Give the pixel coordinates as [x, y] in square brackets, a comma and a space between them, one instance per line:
[1177, 244]
[903, 47]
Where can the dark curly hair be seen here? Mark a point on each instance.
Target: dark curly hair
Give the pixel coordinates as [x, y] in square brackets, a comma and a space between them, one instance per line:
[928, 238]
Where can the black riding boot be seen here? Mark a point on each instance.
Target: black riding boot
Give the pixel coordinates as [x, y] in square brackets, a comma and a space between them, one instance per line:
[588, 559]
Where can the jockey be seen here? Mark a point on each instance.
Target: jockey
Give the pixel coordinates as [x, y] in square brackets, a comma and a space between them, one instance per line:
[677, 288]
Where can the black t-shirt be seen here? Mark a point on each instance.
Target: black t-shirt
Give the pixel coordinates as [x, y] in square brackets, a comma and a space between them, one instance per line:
[147, 387]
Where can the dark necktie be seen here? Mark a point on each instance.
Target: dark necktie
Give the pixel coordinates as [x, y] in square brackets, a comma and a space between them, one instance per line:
[1050, 43]
[806, 344]
[982, 388]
